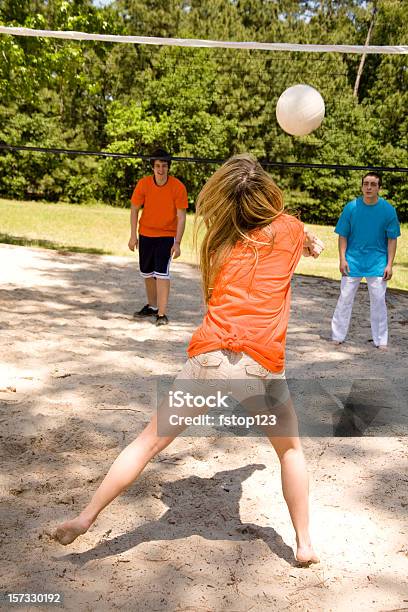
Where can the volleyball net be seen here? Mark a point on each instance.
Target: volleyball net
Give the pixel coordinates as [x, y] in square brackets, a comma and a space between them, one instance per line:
[210, 44]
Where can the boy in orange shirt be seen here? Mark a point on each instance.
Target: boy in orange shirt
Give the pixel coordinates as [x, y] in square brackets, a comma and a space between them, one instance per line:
[161, 228]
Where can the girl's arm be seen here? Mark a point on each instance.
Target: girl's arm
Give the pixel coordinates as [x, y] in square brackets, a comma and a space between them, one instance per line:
[312, 245]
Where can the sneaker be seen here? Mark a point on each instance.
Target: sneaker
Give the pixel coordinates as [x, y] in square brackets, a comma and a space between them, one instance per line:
[146, 311]
[161, 320]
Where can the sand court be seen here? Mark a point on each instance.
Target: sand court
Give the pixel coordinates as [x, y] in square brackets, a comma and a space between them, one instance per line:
[206, 527]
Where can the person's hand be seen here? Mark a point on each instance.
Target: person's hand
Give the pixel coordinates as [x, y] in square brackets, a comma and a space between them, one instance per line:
[175, 250]
[133, 243]
[344, 267]
[387, 272]
[312, 245]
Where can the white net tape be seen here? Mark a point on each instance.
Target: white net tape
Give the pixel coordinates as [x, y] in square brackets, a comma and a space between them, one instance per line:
[192, 42]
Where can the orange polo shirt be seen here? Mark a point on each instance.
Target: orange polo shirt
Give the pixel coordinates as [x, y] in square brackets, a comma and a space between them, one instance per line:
[160, 204]
[249, 306]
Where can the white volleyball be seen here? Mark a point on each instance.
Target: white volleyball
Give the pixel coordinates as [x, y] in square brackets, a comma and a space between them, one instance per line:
[300, 110]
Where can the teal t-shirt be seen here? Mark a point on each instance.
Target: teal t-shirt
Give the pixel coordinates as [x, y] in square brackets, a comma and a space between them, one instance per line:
[367, 228]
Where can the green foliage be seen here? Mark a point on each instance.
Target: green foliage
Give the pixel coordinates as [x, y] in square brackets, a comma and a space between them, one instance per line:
[207, 103]
[130, 127]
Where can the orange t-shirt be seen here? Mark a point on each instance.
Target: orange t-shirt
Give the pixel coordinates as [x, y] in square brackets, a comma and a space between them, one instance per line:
[160, 204]
[249, 306]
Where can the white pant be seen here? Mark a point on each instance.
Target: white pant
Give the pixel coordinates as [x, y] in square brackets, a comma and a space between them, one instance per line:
[378, 309]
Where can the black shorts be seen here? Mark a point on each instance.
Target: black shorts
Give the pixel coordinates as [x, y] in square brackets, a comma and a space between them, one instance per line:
[154, 256]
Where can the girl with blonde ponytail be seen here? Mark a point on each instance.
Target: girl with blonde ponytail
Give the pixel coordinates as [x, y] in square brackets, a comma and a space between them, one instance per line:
[248, 255]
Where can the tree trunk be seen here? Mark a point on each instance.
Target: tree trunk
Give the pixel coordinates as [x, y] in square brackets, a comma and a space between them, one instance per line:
[363, 57]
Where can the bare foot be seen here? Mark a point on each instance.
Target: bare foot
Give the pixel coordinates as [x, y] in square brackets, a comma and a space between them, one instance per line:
[305, 555]
[67, 532]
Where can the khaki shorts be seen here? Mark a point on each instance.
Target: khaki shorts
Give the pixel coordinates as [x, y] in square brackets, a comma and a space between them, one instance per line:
[246, 386]
[224, 364]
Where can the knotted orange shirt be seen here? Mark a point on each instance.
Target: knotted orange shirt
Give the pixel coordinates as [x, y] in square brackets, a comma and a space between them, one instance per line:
[249, 306]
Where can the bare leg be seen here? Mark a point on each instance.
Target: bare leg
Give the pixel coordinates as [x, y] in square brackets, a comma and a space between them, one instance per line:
[295, 481]
[295, 487]
[151, 291]
[284, 437]
[124, 470]
[163, 290]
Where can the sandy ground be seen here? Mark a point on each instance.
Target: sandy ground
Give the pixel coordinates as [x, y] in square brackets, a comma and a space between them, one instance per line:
[205, 528]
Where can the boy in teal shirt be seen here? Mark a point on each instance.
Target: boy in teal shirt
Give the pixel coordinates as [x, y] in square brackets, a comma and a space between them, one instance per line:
[368, 229]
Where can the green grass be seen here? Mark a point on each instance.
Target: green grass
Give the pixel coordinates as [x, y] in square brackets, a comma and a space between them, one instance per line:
[105, 230]
[90, 229]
